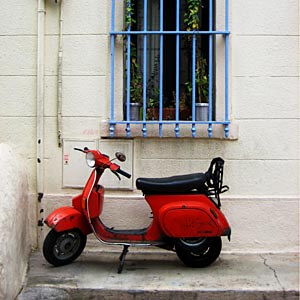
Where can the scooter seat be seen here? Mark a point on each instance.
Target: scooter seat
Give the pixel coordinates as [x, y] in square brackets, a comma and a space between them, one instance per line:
[181, 184]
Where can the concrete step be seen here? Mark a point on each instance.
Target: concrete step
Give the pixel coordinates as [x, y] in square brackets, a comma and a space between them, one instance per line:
[160, 275]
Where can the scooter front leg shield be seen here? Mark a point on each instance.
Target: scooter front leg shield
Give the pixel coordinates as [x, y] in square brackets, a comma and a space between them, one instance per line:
[67, 218]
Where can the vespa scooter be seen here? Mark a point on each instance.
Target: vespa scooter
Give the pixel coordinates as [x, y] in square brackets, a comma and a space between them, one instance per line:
[186, 215]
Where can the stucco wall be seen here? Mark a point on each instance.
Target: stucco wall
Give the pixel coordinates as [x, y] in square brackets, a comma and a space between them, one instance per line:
[16, 219]
[263, 163]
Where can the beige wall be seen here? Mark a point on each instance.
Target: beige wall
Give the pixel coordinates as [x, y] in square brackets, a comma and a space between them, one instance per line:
[261, 165]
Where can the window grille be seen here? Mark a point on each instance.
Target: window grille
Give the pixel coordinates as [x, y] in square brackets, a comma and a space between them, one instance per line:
[145, 33]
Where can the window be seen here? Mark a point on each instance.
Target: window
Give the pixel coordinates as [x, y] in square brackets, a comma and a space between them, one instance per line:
[169, 69]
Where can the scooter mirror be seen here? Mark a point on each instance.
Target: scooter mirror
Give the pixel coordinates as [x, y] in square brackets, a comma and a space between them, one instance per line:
[120, 156]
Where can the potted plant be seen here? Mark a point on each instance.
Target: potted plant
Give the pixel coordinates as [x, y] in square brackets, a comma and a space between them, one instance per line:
[201, 83]
[183, 107]
[202, 90]
[168, 112]
[193, 22]
[136, 86]
[153, 111]
[153, 92]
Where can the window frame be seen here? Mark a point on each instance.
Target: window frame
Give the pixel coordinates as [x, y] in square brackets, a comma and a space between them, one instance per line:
[212, 33]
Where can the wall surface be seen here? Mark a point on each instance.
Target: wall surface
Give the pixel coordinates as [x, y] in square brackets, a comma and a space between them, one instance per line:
[17, 216]
[262, 165]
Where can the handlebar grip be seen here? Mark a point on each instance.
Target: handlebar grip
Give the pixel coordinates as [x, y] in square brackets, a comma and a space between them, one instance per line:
[77, 149]
[123, 173]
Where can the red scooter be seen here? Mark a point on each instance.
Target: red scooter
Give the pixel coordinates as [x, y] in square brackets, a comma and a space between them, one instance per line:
[186, 215]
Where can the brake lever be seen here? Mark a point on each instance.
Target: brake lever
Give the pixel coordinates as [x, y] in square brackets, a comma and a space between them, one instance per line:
[117, 175]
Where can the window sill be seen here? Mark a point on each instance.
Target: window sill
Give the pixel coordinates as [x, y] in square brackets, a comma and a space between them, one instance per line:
[168, 131]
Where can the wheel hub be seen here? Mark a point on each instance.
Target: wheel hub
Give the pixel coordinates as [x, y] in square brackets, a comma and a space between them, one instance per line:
[66, 245]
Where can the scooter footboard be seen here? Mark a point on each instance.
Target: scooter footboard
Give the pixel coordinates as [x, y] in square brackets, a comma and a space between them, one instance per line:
[66, 218]
[192, 219]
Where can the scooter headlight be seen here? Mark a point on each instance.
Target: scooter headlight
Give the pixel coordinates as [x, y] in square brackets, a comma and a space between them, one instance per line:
[90, 159]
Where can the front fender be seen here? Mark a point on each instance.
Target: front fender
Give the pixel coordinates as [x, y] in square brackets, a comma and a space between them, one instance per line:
[66, 218]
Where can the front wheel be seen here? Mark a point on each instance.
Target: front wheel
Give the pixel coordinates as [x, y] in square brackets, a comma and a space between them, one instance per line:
[198, 252]
[61, 248]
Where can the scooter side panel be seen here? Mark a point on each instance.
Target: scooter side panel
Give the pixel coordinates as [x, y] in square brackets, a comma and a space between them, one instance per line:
[192, 219]
[95, 203]
[66, 218]
[77, 202]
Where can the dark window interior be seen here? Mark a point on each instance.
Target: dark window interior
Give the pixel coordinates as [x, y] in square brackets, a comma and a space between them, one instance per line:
[169, 51]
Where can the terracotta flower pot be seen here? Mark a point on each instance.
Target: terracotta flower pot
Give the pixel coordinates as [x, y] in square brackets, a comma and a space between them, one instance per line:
[169, 113]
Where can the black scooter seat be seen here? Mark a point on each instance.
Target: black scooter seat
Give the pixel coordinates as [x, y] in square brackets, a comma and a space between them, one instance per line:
[181, 184]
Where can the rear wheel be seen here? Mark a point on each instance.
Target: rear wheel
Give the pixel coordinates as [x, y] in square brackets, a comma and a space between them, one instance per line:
[198, 252]
[61, 248]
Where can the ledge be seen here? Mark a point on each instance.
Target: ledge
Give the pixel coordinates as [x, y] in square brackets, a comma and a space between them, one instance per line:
[168, 131]
[123, 195]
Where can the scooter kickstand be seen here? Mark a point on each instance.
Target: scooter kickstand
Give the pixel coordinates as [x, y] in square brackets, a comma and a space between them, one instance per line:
[122, 258]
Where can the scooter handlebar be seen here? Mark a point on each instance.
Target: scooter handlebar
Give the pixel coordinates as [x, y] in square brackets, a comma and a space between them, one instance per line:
[78, 149]
[121, 172]
[84, 150]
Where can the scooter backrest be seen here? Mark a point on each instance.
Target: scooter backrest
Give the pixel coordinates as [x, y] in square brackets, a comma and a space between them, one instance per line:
[215, 174]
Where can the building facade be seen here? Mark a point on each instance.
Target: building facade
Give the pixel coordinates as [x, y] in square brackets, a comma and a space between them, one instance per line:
[45, 101]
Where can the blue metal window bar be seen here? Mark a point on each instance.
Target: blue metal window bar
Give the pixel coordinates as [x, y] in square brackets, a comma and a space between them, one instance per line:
[161, 33]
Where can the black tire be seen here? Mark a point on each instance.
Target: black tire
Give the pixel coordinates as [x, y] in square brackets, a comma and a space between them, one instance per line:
[61, 248]
[198, 253]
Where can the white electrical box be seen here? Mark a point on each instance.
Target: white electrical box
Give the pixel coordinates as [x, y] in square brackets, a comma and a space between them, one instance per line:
[76, 171]
[110, 147]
